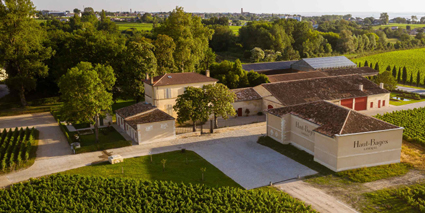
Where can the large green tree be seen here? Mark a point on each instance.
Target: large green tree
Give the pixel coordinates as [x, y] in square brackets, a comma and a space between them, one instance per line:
[390, 83]
[192, 105]
[190, 36]
[85, 93]
[139, 61]
[21, 46]
[384, 18]
[220, 100]
[164, 49]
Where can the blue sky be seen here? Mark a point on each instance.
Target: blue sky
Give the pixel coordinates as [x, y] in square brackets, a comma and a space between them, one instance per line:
[258, 6]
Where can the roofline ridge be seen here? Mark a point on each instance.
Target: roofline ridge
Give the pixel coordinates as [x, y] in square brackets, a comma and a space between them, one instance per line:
[345, 122]
[141, 113]
[159, 79]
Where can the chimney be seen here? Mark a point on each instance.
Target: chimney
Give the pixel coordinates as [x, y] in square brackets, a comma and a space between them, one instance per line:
[361, 87]
[147, 76]
[152, 80]
[207, 73]
[381, 85]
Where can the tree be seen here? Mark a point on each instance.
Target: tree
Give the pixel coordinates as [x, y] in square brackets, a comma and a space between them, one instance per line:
[366, 64]
[139, 61]
[85, 93]
[257, 54]
[404, 75]
[190, 36]
[88, 10]
[21, 46]
[220, 100]
[106, 24]
[395, 72]
[389, 81]
[77, 11]
[384, 18]
[377, 66]
[223, 38]
[418, 79]
[411, 78]
[192, 105]
[399, 75]
[346, 42]
[414, 19]
[164, 49]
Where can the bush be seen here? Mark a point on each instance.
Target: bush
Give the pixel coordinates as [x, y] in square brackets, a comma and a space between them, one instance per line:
[260, 113]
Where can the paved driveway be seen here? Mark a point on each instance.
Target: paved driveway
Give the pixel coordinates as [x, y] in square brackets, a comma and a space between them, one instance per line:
[408, 89]
[250, 164]
[52, 141]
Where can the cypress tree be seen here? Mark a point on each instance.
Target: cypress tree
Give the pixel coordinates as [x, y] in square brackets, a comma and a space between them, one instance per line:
[388, 68]
[366, 64]
[395, 72]
[404, 75]
[371, 65]
[377, 66]
[411, 78]
[399, 75]
[360, 64]
[418, 79]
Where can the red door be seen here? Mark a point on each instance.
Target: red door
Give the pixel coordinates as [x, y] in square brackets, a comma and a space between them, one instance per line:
[383, 103]
[361, 104]
[240, 112]
[379, 104]
[347, 103]
[270, 107]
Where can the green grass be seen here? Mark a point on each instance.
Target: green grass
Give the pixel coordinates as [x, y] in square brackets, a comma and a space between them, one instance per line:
[370, 174]
[180, 167]
[138, 26]
[235, 29]
[110, 136]
[9, 106]
[393, 40]
[122, 103]
[403, 26]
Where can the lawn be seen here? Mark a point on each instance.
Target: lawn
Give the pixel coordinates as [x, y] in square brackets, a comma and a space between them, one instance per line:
[109, 138]
[138, 26]
[403, 101]
[235, 29]
[9, 106]
[403, 26]
[179, 167]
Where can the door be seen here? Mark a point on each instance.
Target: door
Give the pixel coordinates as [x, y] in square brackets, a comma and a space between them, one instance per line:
[270, 107]
[101, 121]
[240, 112]
[361, 104]
[347, 103]
[379, 104]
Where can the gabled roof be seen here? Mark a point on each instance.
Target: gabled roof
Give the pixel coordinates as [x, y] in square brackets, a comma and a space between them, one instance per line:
[180, 78]
[134, 109]
[246, 94]
[333, 119]
[329, 88]
[363, 71]
[278, 65]
[326, 62]
[155, 115]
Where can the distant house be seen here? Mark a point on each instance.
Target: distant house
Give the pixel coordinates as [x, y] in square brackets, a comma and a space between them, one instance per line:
[394, 28]
[145, 123]
[162, 91]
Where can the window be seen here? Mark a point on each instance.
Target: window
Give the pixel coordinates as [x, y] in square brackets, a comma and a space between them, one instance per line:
[167, 94]
[371, 104]
[170, 109]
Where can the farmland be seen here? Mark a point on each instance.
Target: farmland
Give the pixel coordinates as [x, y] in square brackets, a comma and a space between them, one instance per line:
[412, 120]
[138, 26]
[16, 147]
[402, 26]
[413, 59]
[64, 193]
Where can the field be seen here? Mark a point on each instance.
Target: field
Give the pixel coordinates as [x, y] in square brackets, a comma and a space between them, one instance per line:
[62, 193]
[16, 147]
[413, 122]
[414, 60]
[138, 26]
[235, 29]
[403, 26]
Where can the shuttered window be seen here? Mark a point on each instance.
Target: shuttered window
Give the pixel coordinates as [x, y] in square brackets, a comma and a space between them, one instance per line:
[167, 93]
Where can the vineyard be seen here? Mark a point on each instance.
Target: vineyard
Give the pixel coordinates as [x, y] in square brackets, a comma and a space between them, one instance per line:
[60, 193]
[412, 120]
[413, 60]
[405, 199]
[15, 147]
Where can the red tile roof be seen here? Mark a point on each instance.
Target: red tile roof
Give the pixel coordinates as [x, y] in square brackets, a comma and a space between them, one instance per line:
[333, 119]
[149, 117]
[246, 94]
[134, 109]
[180, 78]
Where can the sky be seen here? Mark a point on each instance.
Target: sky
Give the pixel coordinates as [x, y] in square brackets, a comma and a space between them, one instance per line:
[257, 6]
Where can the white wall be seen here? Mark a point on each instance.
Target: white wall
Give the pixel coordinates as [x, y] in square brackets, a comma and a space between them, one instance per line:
[156, 132]
[253, 106]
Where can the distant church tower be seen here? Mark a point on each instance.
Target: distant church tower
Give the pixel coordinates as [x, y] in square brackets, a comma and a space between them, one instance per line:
[242, 11]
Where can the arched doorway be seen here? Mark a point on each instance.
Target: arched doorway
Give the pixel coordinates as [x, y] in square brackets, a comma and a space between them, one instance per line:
[270, 107]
